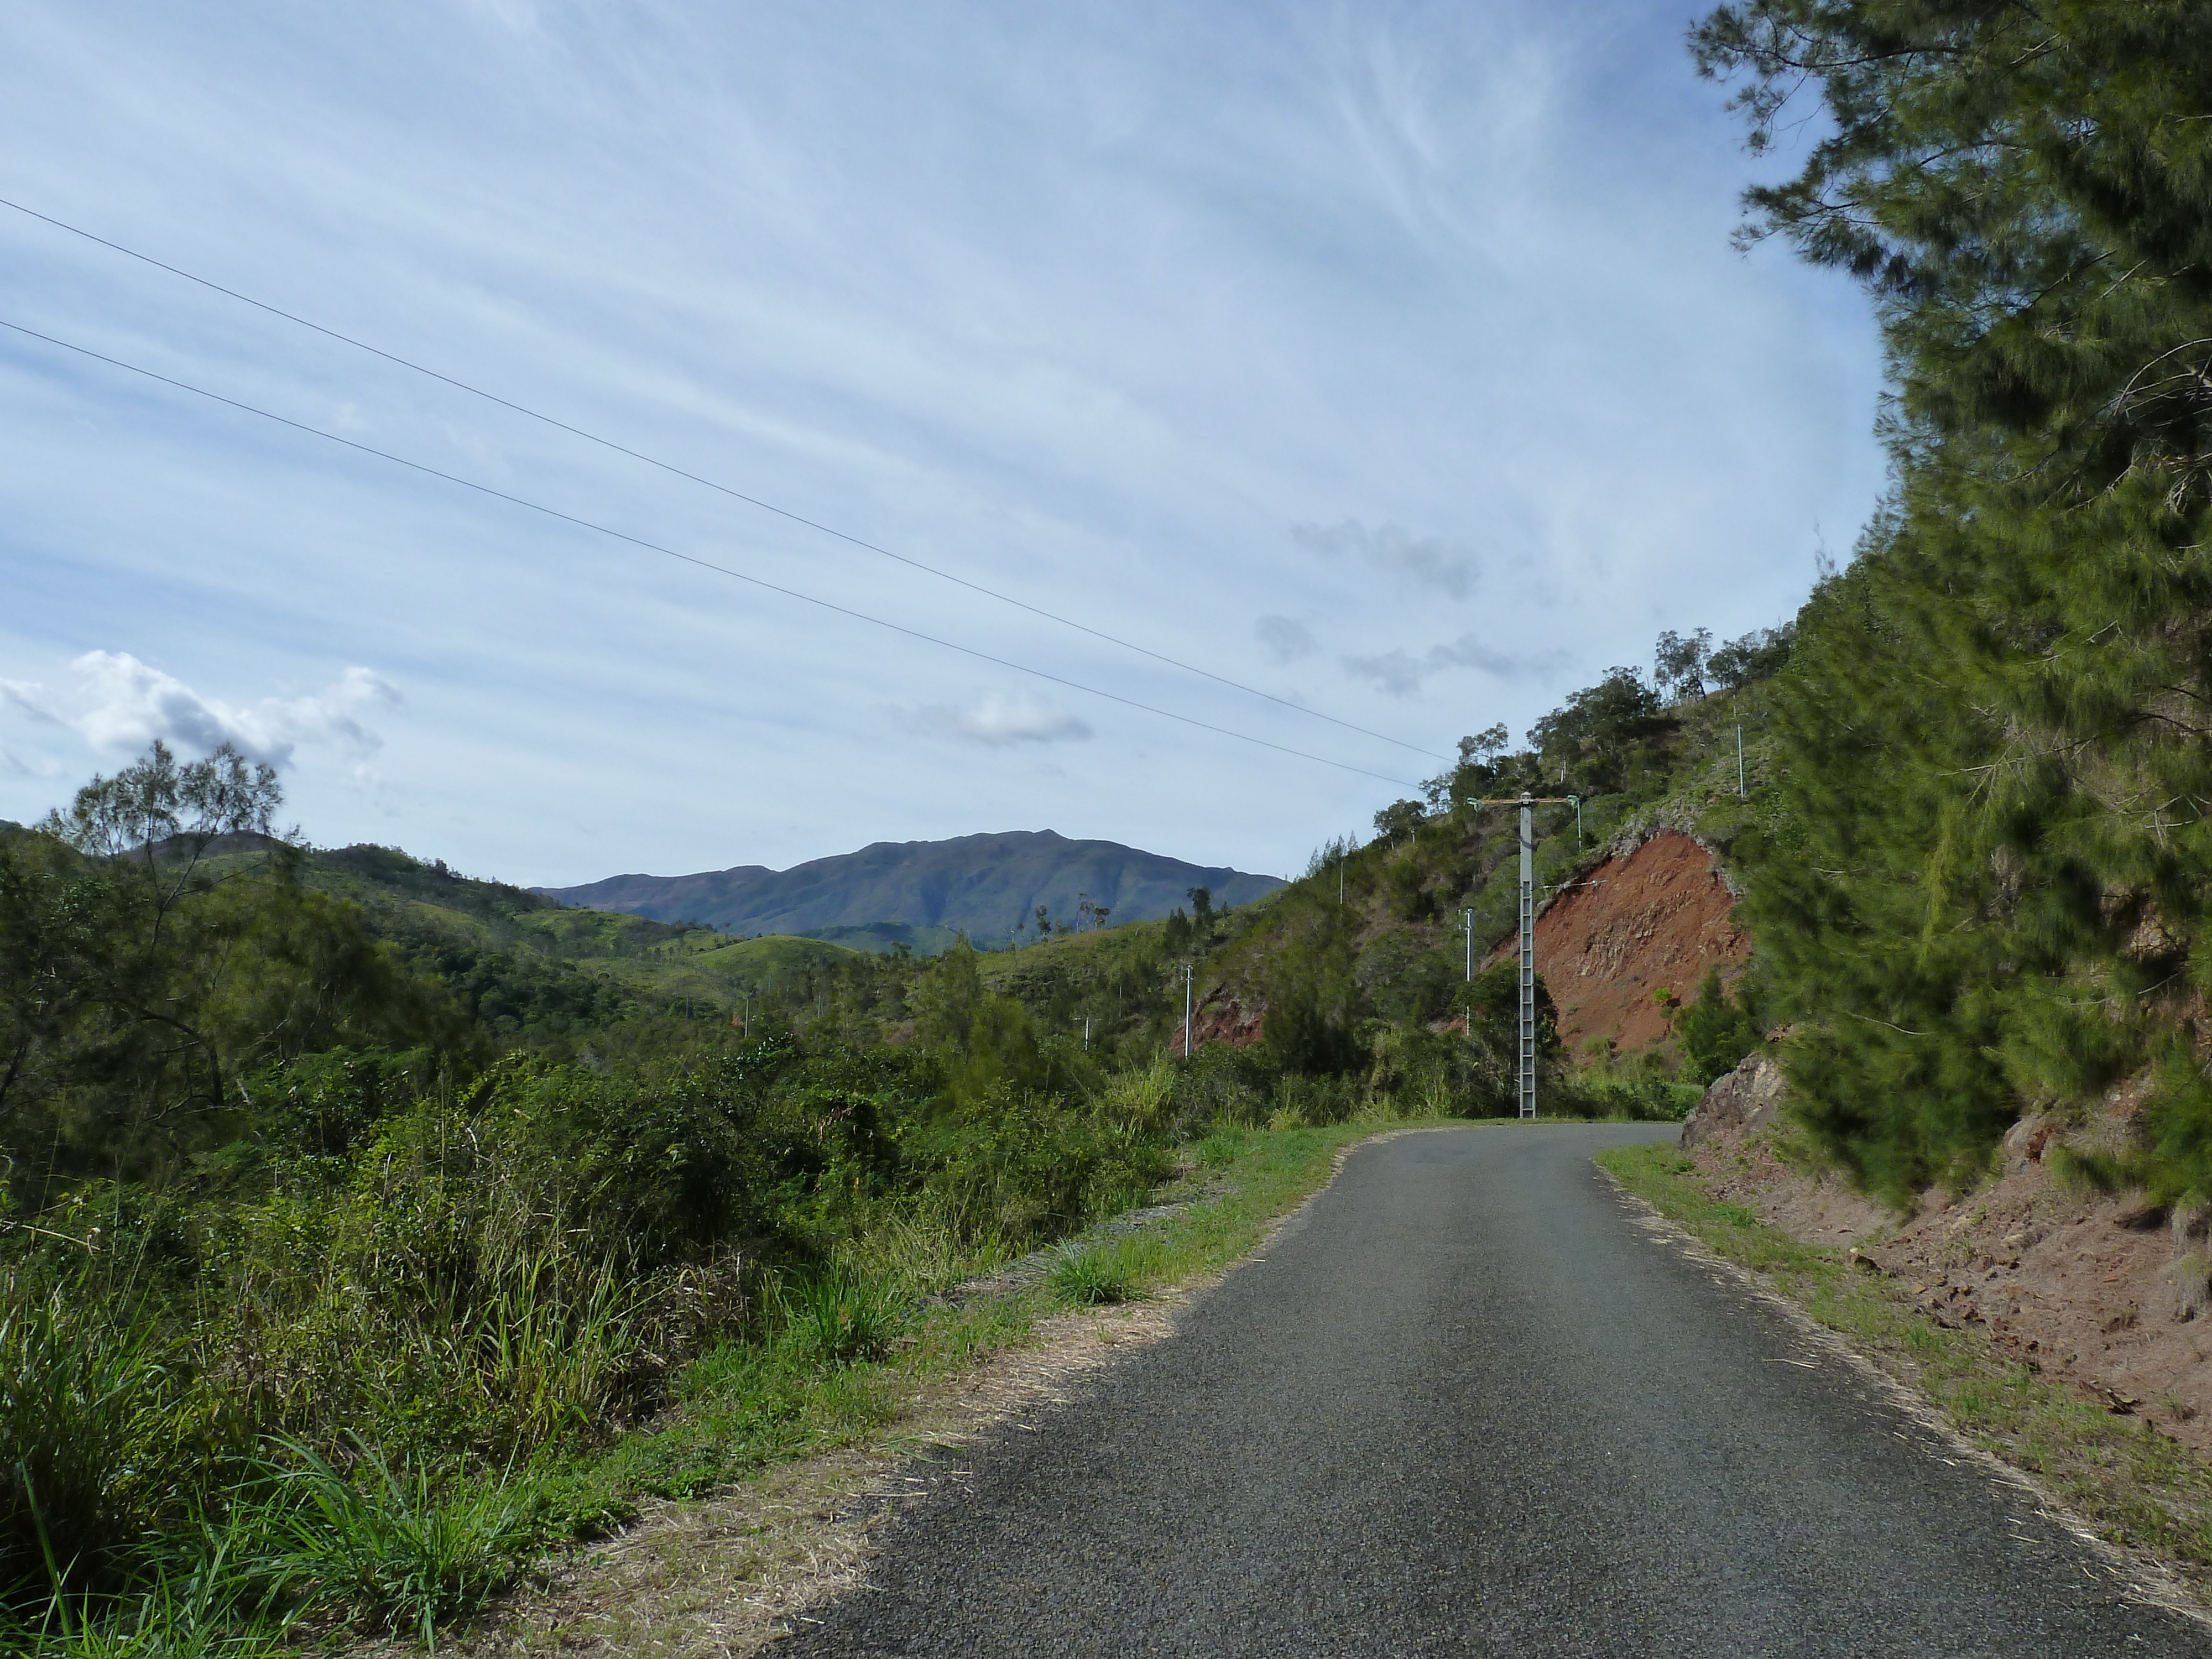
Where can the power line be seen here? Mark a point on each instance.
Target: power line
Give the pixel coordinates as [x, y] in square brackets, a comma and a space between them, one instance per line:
[692, 559]
[725, 489]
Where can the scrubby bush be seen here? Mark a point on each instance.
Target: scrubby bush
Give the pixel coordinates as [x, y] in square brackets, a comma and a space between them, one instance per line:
[1716, 1031]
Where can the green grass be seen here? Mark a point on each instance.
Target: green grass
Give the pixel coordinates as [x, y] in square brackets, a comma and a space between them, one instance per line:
[2136, 1485]
[1092, 1277]
[747, 1406]
[396, 1549]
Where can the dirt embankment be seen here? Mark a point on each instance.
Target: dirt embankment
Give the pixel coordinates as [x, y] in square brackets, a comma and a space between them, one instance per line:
[1654, 920]
[1223, 1018]
[2104, 1293]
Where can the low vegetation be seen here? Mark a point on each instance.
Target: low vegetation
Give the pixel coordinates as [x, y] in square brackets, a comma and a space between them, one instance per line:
[355, 1249]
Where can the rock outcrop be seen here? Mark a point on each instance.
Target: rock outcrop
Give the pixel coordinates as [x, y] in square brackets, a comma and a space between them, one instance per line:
[1741, 1103]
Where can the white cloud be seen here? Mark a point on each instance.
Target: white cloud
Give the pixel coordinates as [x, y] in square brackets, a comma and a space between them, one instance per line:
[1283, 639]
[1089, 314]
[999, 719]
[119, 703]
[1401, 673]
[1428, 561]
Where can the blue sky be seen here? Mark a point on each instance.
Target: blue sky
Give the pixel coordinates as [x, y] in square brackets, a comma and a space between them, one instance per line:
[1390, 359]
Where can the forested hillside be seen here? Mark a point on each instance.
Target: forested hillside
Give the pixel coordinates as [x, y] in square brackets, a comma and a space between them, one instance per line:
[1980, 882]
[1013, 887]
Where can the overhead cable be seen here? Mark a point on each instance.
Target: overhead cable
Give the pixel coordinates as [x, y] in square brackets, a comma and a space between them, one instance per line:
[691, 559]
[725, 489]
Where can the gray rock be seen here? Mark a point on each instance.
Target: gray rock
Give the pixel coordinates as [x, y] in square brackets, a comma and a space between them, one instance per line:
[1735, 1106]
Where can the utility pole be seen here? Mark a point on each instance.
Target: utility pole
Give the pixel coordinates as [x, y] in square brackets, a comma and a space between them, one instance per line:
[1528, 804]
[1467, 922]
[1528, 957]
[1186, 1011]
[1086, 1030]
[1739, 760]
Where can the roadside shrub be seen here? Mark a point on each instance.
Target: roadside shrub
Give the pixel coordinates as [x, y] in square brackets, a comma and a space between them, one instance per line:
[96, 1442]
[1089, 1278]
[390, 1547]
[842, 1316]
[1716, 1031]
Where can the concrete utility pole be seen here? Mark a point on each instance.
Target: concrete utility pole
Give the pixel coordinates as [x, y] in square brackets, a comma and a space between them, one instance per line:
[1528, 957]
[1739, 760]
[1528, 804]
[1467, 922]
[1186, 1011]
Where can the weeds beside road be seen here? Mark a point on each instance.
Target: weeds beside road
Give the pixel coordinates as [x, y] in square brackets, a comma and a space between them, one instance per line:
[303, 1553]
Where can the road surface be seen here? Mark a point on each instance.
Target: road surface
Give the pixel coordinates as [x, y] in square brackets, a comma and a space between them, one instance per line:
[1463, 1405]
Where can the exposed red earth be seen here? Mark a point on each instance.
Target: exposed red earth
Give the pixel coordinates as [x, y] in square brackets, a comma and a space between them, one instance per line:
[2105, 1292]
[1650, 920]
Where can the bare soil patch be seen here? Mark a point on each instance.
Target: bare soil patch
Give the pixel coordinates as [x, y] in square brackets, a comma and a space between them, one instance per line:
[2097, 1291]
[1655, 919]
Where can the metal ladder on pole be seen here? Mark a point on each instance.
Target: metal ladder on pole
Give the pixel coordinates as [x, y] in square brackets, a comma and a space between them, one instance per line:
[1527, 958]
[1527, 804]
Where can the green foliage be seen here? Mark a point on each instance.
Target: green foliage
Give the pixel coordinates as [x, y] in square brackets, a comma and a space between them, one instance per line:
[1716, 1031]
[96, 1433]
[390, 1547]
[840, 1315]
[1981, 878]
[1092, 1276]
[1759, 655]
[1598, 743]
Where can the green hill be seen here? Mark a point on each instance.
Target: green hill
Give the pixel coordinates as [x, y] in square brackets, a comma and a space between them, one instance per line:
[926, 893]
[518, 959]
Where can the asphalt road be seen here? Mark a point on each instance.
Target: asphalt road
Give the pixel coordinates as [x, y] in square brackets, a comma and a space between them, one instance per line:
[1465, 1406]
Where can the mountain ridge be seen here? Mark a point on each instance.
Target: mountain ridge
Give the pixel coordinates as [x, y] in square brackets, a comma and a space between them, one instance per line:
[987, 885]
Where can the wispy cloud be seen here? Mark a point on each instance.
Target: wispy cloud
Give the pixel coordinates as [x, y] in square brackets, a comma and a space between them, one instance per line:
[1283, 639]
[118, 703]
[1401, 674]
[1090, 314]
[1000, 719]
[16, 766]
[1427, 561]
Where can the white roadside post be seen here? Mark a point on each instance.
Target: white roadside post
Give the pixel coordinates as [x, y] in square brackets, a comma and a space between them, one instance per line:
[1186, 1011]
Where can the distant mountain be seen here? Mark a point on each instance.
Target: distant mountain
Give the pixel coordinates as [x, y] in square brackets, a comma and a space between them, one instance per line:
[924, 891]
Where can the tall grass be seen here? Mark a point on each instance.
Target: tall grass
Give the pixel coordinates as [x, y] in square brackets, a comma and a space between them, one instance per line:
[840, 1315]
[96, 1432]
[396, 1549]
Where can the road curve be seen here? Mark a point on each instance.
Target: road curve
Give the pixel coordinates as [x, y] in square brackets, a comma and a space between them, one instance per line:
[1464, 1405]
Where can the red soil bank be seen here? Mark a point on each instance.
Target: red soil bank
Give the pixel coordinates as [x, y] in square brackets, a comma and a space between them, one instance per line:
[1654, 919]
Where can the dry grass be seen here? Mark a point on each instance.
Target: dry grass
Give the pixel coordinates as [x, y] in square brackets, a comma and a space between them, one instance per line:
[728, 1575]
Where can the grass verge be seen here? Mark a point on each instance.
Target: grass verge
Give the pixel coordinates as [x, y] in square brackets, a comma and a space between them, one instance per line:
[2137, 1488]
[771, 1441]
[749, 1405]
